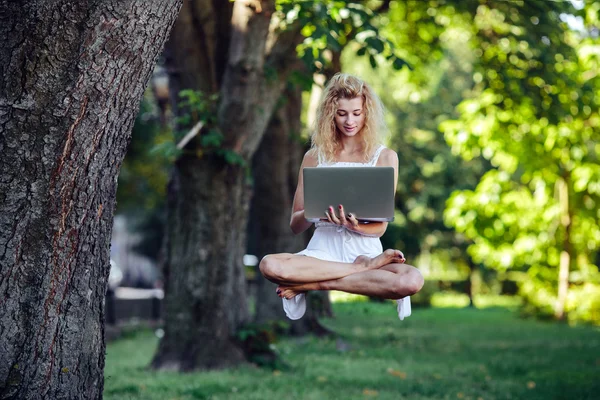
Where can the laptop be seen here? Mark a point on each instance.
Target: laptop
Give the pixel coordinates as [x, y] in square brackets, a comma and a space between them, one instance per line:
[366, 192]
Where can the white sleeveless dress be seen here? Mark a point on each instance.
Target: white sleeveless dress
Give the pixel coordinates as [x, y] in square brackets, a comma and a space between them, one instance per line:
[333, 242]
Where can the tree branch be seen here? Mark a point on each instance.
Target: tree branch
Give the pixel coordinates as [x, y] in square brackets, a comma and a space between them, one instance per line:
[248, 92]
[194, 56]
[282, 52]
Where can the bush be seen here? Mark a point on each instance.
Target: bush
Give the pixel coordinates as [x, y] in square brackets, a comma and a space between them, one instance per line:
[423, 297]
[583, 304]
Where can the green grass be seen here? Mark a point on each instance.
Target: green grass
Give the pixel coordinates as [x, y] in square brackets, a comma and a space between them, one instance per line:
[437, 353]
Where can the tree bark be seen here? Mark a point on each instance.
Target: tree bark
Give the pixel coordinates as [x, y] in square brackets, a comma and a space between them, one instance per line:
[71, 78]
[205, 299]
[469, 282]
[275, 169]
[205, 295]
[270, 209]
[195, 54]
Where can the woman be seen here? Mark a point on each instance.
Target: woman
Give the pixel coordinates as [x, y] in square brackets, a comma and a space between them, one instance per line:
[343, 254]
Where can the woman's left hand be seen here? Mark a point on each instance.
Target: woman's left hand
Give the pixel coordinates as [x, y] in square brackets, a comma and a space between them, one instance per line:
[348, 221]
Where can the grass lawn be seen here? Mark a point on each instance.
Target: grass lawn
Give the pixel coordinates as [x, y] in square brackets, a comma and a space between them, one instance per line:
[437, 353]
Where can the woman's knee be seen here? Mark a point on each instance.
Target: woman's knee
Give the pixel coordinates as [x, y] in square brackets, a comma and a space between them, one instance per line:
[267, 265]
[408, 282]
[271, 267]
[414, 281]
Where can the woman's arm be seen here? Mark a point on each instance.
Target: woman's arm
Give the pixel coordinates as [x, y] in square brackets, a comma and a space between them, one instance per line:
[298, 222]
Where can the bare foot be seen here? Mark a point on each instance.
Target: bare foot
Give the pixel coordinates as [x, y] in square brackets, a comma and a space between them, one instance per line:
[389, 256]
[287, 292]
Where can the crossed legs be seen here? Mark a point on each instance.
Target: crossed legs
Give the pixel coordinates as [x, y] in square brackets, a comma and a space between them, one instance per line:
[383, 276]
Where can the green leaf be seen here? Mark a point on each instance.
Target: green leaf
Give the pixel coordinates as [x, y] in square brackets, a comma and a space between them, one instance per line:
[213, 138]
[375, 43]
[398, 64]
[233, 158]
[372, 61]
[166, 150]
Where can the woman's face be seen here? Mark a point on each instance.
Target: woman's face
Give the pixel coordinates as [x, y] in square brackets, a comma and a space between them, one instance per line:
[350, 116]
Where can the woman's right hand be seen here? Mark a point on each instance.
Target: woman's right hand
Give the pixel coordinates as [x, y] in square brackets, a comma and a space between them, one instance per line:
[348, 221]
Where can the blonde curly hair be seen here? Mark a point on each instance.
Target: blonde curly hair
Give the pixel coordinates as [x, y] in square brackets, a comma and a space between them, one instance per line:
[325, 137]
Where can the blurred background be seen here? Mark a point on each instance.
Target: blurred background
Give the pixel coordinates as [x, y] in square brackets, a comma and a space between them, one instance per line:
[493, 109]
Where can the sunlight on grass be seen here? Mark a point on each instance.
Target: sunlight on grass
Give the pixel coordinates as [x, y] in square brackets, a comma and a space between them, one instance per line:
[460, 300]
[486, 301]
[441, 300]
[449, 299]
[343, 297]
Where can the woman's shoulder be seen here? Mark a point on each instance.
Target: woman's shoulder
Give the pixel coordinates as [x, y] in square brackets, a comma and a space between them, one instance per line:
[388, 157]
[310, 159]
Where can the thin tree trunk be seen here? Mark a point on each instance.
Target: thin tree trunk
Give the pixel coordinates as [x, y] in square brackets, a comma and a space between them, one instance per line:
[470, 280]
[71, 78]
[565, 255]
[196, 53]
[275, 170]
[274, 187]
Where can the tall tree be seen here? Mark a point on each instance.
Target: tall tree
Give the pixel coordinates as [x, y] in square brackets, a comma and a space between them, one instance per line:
[72, 75]
[275, 175]
[275, 167]
[235, 50]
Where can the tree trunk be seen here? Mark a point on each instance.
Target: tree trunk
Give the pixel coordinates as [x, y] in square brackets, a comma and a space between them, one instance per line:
[565, 255]
[470, 282]
[207, 213]
[196, 53]
[205, 299]
[275, 167]
[275, 170]
[71, 78]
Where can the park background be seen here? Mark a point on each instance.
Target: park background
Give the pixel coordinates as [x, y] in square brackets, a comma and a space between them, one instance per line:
[492, 107]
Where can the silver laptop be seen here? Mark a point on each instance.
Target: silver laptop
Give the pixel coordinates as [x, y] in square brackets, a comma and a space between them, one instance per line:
[366, 192]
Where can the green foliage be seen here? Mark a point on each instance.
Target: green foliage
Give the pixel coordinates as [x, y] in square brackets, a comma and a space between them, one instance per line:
[533, 113]
[584, 304]
[258, 342]
[233, 158]
[143, 176]
[213, 138]
[419, 100]
[423, 297]
[329, 25]
[196, 107]
[511, 89]
[167, 150]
